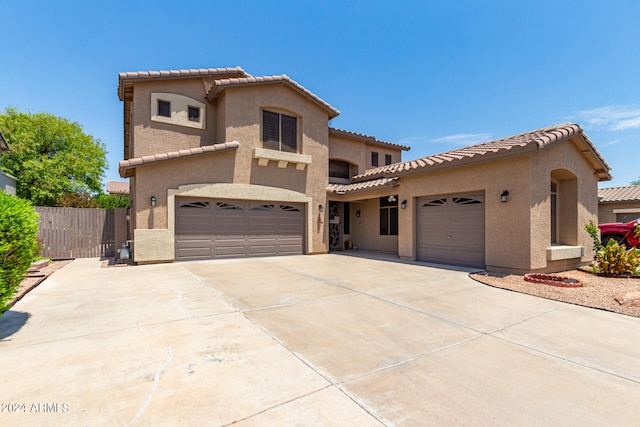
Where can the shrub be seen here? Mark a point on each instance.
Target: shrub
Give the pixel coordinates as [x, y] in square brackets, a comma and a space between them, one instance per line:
[110, 201]
[594, 232]
[617, 260]
[18, 243]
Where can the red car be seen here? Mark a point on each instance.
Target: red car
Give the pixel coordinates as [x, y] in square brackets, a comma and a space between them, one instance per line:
[621, 232]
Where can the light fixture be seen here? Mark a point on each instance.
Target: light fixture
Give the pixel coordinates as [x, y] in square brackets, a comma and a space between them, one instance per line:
[153, 200]
[391, 199]
[503, 196]
[340, 192]
[403, 205]
[321, 208]
[358, 214]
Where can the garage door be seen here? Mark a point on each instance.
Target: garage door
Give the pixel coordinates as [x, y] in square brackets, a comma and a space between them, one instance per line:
[209, 228]
[450, 230]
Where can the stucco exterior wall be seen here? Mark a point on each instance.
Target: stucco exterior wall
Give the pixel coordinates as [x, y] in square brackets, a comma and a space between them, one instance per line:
[578, 186]
[7, 183]
[606, 212]
[349, 150]
[151, 137]
[506, 233]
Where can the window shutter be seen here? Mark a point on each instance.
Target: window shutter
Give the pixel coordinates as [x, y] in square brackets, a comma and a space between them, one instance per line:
[270, 130]
[289, 130]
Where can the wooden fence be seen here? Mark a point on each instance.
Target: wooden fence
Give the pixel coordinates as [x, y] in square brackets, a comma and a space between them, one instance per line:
[79, 233]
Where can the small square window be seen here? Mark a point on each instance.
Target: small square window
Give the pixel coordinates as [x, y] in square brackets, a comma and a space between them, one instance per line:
[387, 159]
[374, 158]
[194, 114]
[164, 108]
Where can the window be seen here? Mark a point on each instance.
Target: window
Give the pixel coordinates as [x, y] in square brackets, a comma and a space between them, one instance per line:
[279, 131]
[389, 216]
[347, 218]
[374, 158]
[387, 159]
[339, 169]
[164, 108]
[193, 113]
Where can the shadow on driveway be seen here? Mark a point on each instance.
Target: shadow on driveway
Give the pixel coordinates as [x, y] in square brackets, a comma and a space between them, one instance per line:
[11, 322]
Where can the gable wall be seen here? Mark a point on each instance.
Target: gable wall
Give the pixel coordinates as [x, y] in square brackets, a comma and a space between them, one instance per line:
[151, 137]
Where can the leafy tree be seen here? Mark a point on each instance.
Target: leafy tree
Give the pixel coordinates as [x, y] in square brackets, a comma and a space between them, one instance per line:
[110, 201]
[81, 199]
[636, 182]
[50, 156]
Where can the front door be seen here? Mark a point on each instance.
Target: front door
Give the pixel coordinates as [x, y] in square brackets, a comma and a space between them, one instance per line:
[336, 226]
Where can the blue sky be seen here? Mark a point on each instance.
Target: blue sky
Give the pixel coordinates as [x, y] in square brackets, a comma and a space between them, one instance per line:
[435, 75]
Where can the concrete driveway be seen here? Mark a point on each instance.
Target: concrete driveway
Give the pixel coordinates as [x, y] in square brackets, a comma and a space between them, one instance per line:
[308, 340]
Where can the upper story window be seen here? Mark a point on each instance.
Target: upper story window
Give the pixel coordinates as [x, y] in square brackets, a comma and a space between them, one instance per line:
[387, 159]
[279, 131]
[339, 169]
[176, 109]
[374, 158]
[164, 108]
[193, 113]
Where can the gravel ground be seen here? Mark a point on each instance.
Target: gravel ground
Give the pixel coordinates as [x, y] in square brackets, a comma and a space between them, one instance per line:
[598, 292]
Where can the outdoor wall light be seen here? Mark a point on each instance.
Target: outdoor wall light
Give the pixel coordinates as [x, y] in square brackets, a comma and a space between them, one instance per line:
[321, 208]
[391, 199]
[503, 196]
[403, 205]
[358, 214]
[153, 200]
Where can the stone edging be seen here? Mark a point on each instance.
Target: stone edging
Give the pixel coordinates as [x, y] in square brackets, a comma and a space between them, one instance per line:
[549, 279]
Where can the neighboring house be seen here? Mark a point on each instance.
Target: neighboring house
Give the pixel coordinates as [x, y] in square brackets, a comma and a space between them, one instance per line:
[618, 204]
[118, 187]
[224, 164]
[7, 182]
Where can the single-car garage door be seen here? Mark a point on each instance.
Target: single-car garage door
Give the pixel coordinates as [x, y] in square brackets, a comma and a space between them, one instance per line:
[211, 228]
[450, 230]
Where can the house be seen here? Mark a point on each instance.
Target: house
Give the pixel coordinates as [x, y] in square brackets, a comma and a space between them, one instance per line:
[118, 188]
[225, 164]
[7, 182]
[618, 204]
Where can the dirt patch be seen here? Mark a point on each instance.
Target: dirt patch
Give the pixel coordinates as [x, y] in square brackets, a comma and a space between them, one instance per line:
[597, 292]
[36, 278]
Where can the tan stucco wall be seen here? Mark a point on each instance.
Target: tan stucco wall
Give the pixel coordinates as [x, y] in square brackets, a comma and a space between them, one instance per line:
[566, 161]
[349, 150]
[606, 212]
[506, 232]
[365, 230]
[240, 110]
[152, 137]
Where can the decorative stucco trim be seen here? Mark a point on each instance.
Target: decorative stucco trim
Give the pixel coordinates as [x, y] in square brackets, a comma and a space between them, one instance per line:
[283, 158]
[179, 110]
[239, 192]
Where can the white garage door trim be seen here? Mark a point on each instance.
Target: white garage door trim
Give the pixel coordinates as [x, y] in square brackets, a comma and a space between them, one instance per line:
[450, 229]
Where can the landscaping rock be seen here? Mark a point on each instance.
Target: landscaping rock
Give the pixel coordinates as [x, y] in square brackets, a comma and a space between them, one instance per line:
[629, 298]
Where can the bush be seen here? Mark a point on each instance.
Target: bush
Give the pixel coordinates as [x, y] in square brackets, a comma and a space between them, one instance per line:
[594, 232]
[18, 244]
[617, 260]
[110, 201]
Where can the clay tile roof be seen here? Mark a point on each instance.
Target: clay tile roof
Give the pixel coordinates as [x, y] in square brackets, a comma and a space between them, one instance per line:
[630, 193]
[366, 138]
[362, 186]
[126, 167]
[118, 187]
[3, 142]
[220, 85]
[528, 141]
[126, 78]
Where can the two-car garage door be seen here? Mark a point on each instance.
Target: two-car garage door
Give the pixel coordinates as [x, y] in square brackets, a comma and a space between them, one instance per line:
[450, 230]
[212, 228]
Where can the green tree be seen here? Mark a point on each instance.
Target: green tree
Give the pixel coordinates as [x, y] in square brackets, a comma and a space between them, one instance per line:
[110, 201]
[50, 156]
[636, 182]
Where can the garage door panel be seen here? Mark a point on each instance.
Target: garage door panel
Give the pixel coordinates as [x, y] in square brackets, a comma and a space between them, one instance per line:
[451, 230]
[208, 228]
